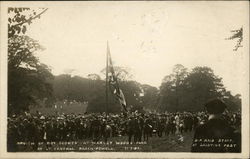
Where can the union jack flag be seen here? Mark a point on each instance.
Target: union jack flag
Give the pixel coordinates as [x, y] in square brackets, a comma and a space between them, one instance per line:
[113, 82]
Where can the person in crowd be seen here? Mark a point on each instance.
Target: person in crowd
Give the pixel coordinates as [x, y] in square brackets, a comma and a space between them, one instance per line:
[216, 135]
[94, 127]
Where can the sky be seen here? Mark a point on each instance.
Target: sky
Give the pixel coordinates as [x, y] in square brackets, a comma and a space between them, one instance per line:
[147, 37]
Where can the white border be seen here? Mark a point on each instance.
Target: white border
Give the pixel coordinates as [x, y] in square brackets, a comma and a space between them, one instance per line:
[3, 98]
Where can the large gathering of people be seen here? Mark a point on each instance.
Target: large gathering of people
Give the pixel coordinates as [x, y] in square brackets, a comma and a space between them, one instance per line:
[95, 127]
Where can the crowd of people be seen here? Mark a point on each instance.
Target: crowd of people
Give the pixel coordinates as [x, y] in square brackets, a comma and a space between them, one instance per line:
[136, 126]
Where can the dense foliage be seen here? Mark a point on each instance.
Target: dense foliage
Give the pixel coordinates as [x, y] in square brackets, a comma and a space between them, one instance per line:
[183, 90]
[30, 83]
[93, 91]
[28, 79]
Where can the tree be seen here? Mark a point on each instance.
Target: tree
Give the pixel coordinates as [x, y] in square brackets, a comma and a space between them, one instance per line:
[172, 88]
[131, 91]
[188, 91]
[20, 18]
[75, 88]
[21, 51]
[149, 97]
[94, 76]
[122, 73]
[202, 85]
[233, 102]
[93, 91]
[237, 34]
[29, 81]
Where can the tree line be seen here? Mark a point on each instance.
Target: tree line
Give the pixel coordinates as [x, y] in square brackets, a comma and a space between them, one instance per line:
[189, 90]
[182, 90]
[31, 83]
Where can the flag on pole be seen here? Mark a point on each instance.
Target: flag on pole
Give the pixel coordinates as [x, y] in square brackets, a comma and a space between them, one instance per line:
[113, 82]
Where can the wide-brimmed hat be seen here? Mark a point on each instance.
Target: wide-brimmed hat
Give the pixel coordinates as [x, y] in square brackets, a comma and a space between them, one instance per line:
[215, 106]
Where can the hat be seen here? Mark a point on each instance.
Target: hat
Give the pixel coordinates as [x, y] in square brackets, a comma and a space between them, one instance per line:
[215, 106]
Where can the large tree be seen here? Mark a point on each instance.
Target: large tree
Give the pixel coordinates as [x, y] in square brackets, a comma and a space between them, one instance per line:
[202, 85]
[172, 89]
[29, 81]
[188, 91]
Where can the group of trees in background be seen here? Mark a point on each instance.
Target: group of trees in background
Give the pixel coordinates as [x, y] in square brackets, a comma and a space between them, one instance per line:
[92, 90]
[183, 90]
[31, 83]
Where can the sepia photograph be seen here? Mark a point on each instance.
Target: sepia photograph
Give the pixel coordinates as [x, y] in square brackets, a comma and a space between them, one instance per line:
[127, 79]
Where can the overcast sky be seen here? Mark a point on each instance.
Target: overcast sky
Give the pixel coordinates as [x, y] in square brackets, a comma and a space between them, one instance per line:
[147, 37]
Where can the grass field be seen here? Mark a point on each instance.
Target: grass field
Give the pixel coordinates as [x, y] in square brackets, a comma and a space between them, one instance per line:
[171, 143]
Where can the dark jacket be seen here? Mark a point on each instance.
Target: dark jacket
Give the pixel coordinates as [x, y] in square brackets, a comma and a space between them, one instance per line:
[216, 136]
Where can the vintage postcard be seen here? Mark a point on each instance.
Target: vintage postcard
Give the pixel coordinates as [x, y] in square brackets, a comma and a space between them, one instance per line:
[127, 79]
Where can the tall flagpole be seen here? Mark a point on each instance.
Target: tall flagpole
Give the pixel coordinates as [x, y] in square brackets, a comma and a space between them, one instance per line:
[107, 65]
